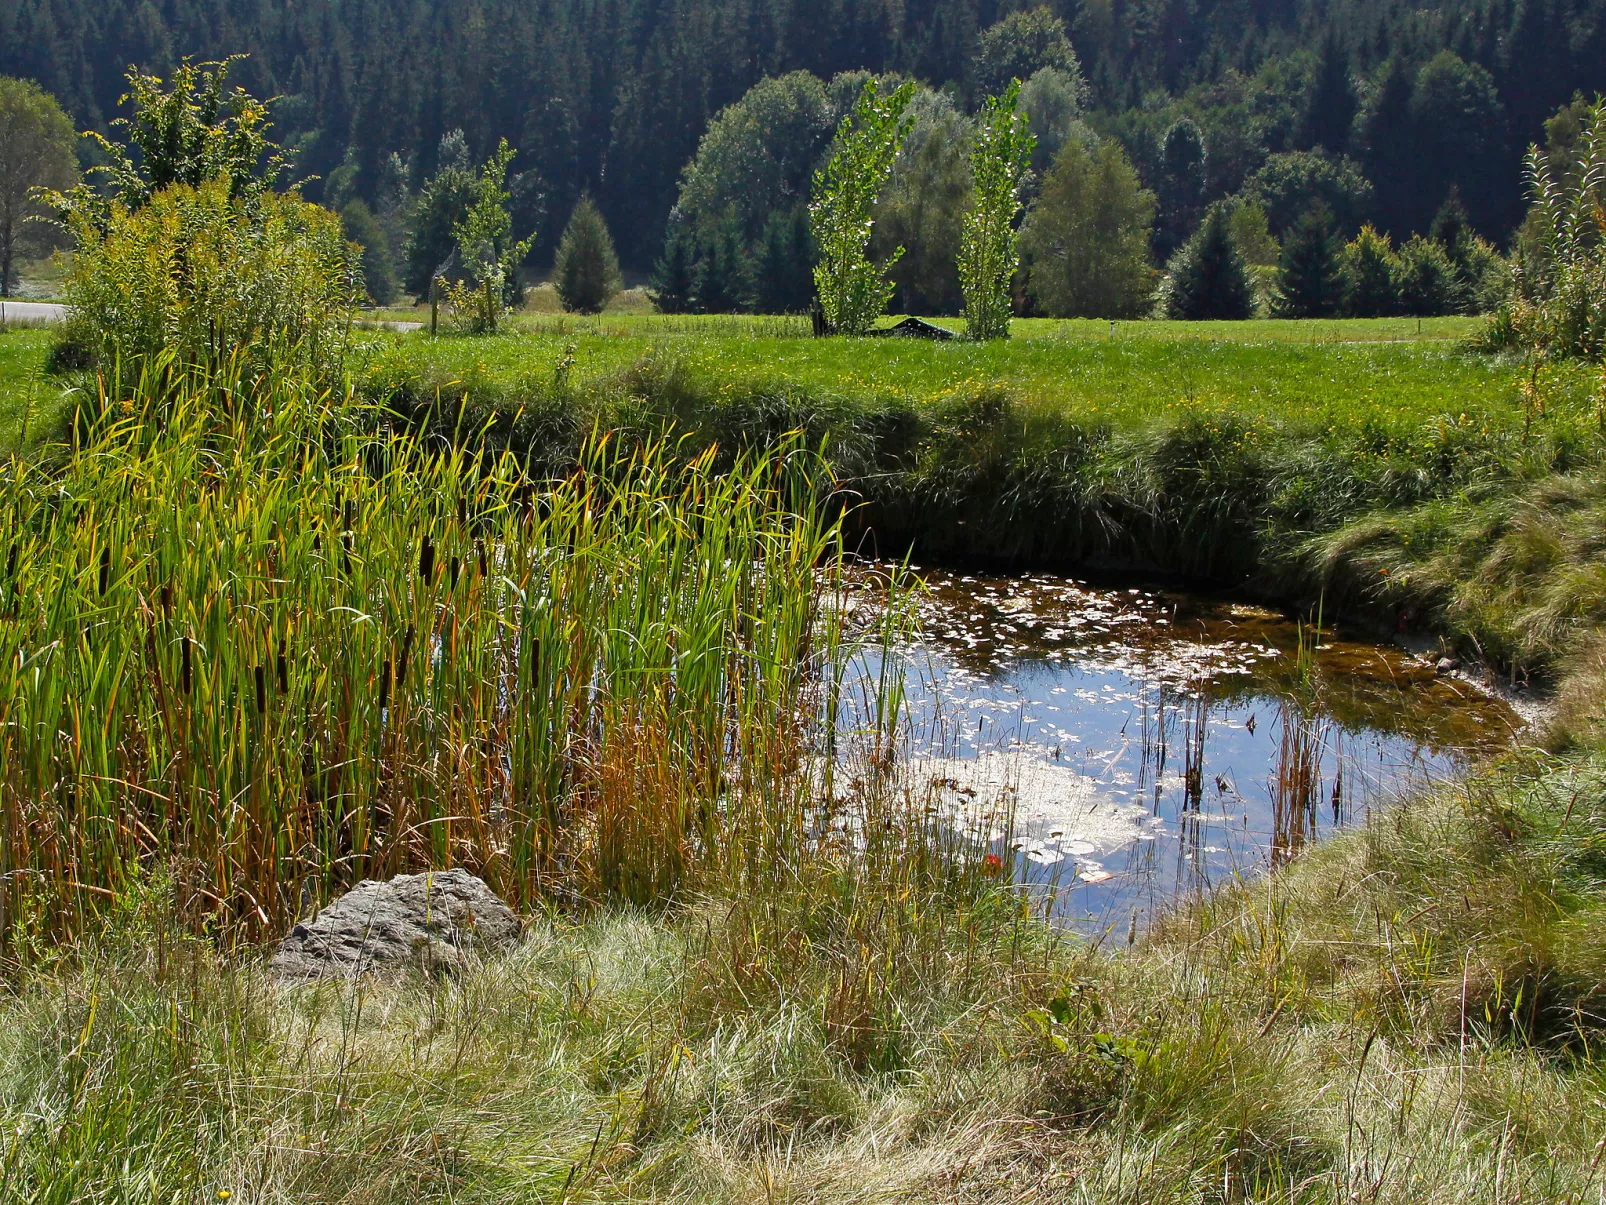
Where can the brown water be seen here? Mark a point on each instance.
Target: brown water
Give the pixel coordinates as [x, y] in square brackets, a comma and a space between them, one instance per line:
[1152, 742]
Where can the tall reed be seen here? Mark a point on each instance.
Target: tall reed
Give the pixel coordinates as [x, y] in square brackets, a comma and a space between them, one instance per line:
[247, 641]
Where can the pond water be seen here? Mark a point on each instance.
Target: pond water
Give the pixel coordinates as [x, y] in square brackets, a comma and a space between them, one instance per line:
[1151, 742]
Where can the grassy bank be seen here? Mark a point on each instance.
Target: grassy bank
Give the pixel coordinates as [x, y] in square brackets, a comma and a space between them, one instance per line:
[1233, 453]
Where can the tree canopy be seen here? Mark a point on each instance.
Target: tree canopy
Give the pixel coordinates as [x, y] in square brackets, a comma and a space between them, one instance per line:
[615, 98]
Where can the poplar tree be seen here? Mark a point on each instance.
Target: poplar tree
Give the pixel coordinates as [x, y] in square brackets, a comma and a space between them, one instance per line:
[989, 249]
[853, 291]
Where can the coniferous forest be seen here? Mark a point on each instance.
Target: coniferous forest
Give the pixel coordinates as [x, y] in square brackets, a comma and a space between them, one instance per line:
[1388, 105]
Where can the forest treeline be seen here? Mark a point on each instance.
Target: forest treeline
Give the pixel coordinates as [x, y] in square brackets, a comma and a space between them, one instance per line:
[1392, 105]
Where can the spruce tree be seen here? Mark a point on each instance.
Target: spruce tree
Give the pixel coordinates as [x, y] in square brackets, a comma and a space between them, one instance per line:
[672, 279]
[1308, 275]
[1208, 276]
[1428, 282]
[720, 277]
[586, 271]
[784, 275]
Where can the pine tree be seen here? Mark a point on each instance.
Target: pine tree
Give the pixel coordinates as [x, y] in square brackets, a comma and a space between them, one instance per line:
[1308, 275]
[586, 271]
[672, 280]
[1208, 276]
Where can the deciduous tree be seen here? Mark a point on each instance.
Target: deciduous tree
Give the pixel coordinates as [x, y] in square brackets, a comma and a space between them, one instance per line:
[853, 291]
[988, 245]
[1087, 236]
[36, 152]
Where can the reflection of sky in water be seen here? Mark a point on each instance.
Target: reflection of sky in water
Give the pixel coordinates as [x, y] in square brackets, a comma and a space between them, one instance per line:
[1084, 707]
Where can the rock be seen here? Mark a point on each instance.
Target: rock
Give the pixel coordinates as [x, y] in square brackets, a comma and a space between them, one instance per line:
[1447, 665]
[425, 922]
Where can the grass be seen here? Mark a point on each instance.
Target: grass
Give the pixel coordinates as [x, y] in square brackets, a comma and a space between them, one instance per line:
[1277, 370]
[1227, 459]
[1409, 1014]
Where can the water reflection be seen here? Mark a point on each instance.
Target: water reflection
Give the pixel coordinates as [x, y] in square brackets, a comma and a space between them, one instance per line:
[1152, 742]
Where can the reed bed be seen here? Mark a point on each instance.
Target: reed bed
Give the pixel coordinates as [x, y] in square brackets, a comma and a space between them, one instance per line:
[248, 643]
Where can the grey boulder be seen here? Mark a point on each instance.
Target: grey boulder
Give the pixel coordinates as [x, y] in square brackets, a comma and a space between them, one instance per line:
[425, 922]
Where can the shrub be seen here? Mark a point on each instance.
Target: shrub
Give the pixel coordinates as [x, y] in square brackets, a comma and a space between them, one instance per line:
[198, 272]
[1557, 300]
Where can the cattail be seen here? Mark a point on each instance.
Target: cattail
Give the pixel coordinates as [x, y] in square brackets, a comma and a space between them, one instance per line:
[455, 567]
[407, 649]
[462, 512]
[105, 569]
[426, 560]
[262, 691]
[167, 599]
[284, 672]
[384, 685]
[184, 676]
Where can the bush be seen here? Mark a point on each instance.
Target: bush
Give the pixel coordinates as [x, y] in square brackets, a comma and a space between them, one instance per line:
[199, 273]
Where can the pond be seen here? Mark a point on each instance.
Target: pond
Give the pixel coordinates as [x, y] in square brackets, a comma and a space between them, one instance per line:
[1152, 742]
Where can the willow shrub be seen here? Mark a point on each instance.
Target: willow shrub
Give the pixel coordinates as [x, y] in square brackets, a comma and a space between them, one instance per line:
[198, 273]
[247, 642]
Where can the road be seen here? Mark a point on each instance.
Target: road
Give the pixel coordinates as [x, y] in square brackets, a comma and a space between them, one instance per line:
[30, 311]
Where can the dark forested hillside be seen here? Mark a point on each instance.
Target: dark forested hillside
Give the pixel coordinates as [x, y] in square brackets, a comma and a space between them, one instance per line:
[611, 96]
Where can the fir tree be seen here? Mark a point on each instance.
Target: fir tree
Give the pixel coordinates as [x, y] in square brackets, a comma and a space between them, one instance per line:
[586, 271]
[1208, 276]
[1308, 275]
[672, 280]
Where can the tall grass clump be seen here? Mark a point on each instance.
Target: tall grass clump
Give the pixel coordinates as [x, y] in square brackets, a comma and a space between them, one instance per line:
[245, 638]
